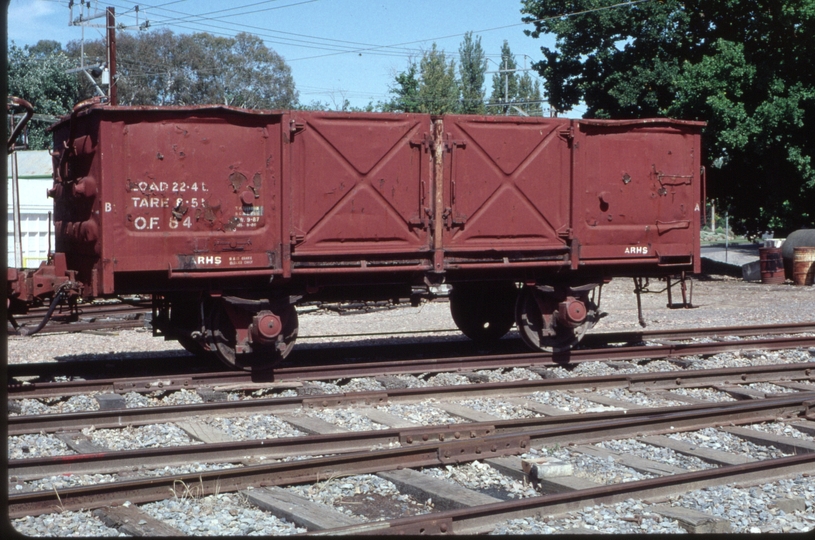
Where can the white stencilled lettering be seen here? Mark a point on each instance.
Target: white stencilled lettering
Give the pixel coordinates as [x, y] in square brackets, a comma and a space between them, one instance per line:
[636, 250]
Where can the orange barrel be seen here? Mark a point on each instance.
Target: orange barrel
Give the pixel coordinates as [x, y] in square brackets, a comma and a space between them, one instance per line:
[803, 265]
[772, 265]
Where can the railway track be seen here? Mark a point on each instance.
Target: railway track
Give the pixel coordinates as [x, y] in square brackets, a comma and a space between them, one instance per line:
[397, 453]
[316, 369]
[498, 432]
[88, 317]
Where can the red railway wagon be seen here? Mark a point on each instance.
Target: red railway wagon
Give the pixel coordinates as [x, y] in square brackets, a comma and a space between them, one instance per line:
[229, 217]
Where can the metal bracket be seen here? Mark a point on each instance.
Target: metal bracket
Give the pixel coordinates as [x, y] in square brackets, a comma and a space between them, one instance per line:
[500, 445]
[674, 179]
[373, 398]
[447, 433]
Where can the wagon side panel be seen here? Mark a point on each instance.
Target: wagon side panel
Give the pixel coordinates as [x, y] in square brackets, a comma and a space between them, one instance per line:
[637, 193]
[360, 187]
[195, 193]
[507, 184]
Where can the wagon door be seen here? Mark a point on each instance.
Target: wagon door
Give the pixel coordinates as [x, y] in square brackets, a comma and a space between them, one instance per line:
[506, 186]
[637, 191]
[359, 187]
[197, 189]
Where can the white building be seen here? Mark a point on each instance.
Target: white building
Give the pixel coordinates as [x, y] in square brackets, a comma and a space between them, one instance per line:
[34, 178]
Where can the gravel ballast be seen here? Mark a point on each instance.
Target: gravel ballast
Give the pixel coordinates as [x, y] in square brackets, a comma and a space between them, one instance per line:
[720, 302]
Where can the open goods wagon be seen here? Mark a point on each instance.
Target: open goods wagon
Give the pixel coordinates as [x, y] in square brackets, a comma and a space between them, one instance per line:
[229, 217]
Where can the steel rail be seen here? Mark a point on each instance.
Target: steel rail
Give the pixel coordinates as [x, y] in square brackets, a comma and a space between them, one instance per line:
[567, 429]
[432, 453]
[33, 389]
[627, 336]
[109, 324]
[542, 359]
[482, 519]
[36, 390]
[690, 333]
[307, 372]
[49, 423]
[88, 310]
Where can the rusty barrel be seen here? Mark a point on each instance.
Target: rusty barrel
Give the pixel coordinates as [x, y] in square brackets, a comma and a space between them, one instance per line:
[772, 265]
[803, 265]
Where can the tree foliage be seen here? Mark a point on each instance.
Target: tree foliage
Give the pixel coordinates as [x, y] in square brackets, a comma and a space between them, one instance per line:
[512, 91]
[38, 74]
[405, 92]
[505, 83]
[431, 85]
[162, 68]
[747, 67]
[439, 91]
[472, 69]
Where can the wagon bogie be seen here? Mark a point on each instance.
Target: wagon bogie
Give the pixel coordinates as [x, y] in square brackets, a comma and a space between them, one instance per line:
[251, 334]
[555, 318]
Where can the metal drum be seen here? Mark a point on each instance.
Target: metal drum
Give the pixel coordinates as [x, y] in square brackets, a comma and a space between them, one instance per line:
[772, 265]
[803, 265]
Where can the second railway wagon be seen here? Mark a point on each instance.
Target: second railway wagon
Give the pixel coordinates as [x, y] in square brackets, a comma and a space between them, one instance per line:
[229, 217]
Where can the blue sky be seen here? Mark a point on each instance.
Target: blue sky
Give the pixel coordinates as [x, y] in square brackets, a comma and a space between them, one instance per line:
[337, 49]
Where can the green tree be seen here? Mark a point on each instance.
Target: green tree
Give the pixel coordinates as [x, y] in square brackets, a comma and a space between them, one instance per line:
[429, 87]
[747, 67]
[529, 95]
[505, 84]
[162, 68]
[38, 75]
[472, 68]
[405, 92]
[438, 88]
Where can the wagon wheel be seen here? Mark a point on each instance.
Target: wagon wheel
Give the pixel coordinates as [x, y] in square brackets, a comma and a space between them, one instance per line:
[184, 319]
[537, 323]
[264, 356]
[484, 312]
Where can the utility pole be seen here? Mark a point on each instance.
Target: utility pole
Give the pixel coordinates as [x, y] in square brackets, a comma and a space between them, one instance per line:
[506, 86]
[506, 73]
[105, 70]
[111, 33]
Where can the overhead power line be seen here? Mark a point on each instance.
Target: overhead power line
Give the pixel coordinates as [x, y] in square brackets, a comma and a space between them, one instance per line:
[624, 4]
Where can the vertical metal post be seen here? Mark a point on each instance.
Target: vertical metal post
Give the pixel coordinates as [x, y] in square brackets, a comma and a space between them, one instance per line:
[15, 203]
[113, 97]
[506, 87]
[726, 234]
[48, 253]
[438, 195]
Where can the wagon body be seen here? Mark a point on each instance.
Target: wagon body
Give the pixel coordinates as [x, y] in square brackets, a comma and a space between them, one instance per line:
[229, 217]
[149, 199]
